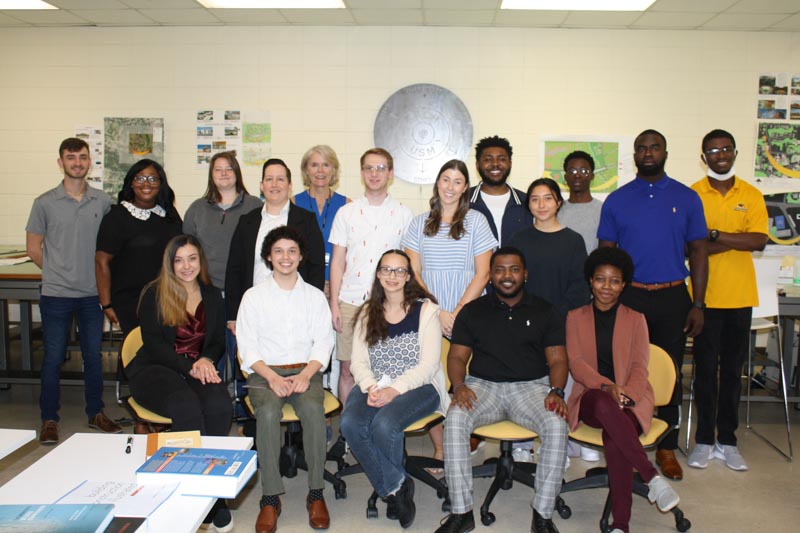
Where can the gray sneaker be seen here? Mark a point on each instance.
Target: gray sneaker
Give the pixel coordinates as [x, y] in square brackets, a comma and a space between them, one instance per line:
[662, 494]
[730, 454]
[701, 455]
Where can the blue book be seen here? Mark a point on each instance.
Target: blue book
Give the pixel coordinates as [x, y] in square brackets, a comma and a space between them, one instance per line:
[56, 518]
[200, 471]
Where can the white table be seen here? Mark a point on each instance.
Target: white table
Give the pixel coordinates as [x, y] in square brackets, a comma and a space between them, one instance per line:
[100, 457]
[13, 439]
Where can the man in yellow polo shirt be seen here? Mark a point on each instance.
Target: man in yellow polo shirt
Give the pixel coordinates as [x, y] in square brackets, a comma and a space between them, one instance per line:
[737, 220]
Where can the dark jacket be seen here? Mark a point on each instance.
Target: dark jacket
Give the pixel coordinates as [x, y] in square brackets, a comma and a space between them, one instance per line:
[158, 346]
[239, 274]
[515, 217]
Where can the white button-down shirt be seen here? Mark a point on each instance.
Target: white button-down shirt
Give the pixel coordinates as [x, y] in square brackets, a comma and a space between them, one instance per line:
[284, 327]
[268, 223]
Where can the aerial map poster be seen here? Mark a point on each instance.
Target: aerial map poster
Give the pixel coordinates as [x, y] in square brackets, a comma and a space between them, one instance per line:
[128, 140]
[613, 159]
[777, 157]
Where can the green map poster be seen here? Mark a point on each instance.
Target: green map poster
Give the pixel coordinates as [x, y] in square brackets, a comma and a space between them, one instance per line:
[777, 152]
[606, 155]
[127, 140]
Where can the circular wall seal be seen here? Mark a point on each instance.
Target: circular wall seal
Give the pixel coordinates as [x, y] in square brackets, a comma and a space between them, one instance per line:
[423, 126]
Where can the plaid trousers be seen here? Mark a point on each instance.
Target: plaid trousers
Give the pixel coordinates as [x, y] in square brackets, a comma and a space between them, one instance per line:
[522, 403]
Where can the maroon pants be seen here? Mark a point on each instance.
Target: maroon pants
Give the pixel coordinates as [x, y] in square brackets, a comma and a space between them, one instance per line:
[622, 448]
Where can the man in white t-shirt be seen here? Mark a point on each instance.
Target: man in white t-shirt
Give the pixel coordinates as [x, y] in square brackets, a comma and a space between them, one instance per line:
[581, 212]
[505, 208]
[361, 232]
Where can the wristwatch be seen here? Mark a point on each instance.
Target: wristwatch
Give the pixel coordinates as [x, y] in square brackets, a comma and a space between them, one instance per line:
[713, 235]
[699, 305]
[558, 391]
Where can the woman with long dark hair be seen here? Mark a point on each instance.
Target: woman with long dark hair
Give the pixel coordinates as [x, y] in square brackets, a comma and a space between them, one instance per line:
[399, 379]
[183, 332]
[131, 241]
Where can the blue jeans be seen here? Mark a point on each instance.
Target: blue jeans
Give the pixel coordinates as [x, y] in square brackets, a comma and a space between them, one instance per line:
[57, 316]
[375, 435]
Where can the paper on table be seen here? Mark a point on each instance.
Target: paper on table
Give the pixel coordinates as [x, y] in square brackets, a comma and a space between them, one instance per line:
[129, 499]
[8, 261]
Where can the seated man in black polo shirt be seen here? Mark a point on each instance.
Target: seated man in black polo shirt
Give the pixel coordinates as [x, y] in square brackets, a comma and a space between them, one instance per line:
[518, 371]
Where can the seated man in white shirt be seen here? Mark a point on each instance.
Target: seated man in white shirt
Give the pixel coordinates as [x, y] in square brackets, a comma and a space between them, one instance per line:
[285, 340]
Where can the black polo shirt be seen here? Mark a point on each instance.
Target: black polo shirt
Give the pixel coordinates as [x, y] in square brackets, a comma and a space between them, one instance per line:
[508, 342]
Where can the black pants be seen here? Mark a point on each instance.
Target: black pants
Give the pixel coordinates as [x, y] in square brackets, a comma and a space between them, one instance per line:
[721, 346]
[665, 311]
[190, 404]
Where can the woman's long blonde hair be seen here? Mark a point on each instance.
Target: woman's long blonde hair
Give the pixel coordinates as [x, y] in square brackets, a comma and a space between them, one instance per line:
[170, 293]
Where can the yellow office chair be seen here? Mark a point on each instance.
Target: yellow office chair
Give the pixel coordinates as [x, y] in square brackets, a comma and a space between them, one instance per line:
[415, 464]
[292, 455]
[130, 347]
[662, 377]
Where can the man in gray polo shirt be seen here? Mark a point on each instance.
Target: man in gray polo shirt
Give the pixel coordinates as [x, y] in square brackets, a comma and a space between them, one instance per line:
[60, 238]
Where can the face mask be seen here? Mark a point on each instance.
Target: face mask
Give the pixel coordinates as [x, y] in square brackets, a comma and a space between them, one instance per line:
[721, 177]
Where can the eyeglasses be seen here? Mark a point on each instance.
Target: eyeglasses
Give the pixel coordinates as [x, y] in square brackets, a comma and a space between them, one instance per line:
[147, 179]
[388, 271]
[369, 169]
[579, 171]
[715, 151]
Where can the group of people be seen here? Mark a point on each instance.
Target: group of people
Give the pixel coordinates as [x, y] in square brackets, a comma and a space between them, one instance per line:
[550, 305]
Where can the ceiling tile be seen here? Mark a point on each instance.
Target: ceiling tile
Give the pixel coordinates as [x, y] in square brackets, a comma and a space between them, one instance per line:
[788, 24]
[388, 17]
[325, 17]
[11, 21]
[461, 4]
[181, 17]
[741, 21]
[671, 20]
[162, 4]
[766, 6]
[384, 4]
[252, 16]
[115, 17]
[87, 4]
[706, 6]
[530, 18]
[48, 17]
[457, 17]
[601, 19]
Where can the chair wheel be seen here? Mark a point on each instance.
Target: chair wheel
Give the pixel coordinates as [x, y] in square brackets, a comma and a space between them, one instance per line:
[372, 512]
[340, 491]
[683, 525]
[488, 519]
[564, 512]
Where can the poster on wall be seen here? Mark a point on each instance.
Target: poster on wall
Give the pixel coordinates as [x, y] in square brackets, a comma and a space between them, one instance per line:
[248, 134]
[778, 96]
[776, 168]
[127, 140]
[613, 159]
[93, 135]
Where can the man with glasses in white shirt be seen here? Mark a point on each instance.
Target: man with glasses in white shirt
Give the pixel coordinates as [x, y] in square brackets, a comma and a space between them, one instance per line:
[361, 232]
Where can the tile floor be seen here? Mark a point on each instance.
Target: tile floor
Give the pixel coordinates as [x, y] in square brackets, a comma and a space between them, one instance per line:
[715, 500]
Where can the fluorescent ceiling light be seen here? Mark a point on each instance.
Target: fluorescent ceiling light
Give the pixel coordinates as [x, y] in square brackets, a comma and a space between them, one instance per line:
[25, 4]
[273, 4]
[578, 5]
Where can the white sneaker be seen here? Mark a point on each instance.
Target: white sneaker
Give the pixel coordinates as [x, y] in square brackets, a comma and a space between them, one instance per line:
[730, 454]
[701, 455]
[617, 530]
[521, 455]
[662, 494]
[590, 455]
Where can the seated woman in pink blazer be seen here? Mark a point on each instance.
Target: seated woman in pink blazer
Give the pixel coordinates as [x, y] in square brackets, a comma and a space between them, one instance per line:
[608, 349]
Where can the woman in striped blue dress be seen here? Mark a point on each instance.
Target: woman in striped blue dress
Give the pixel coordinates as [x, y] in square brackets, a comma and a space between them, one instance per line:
[450, 247]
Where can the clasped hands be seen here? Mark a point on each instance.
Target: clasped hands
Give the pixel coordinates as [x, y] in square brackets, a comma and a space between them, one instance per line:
[378, 397]
[284, 386]
[203, 371]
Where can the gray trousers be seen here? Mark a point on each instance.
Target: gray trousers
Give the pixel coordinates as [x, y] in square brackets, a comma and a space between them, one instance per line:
[268, 410]
[523, 404]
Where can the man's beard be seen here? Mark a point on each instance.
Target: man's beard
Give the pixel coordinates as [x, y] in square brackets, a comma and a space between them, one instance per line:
[654, 170]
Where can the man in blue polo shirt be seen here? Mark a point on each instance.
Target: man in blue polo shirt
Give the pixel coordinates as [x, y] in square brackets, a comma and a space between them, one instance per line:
[655, 218]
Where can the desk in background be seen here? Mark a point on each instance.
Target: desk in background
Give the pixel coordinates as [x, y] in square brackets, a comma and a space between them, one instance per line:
[102, 457]
[789, 308]
[18, 282]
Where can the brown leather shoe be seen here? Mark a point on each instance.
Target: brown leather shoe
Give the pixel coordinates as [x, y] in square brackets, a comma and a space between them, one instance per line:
[669, 464]
[102, 423]
[267, 521]
[48, 435]
[318, 517]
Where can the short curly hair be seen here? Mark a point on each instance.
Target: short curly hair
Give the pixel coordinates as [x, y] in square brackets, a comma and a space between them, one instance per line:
[616, 257]
[282, 232]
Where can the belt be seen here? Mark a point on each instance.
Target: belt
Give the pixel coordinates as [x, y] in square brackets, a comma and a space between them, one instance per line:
[290, 367]
[657, 286]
